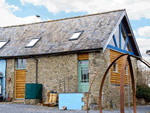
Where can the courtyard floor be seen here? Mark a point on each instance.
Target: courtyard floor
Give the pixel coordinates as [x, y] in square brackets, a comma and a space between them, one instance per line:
[22, 108]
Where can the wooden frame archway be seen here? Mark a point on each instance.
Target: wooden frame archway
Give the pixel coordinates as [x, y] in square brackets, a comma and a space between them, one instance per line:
[125, 58]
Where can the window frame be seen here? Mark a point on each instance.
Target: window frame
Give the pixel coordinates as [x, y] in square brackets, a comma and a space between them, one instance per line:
[5, 42]
[84, 81]
[21, 64]
[1, 87]
[116, 68]
[77, 37]
[126, 69]
[34, 43]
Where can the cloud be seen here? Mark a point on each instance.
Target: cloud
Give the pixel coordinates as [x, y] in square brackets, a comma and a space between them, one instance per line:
[144, 44]
[136, 9]
[144, 31]
[8, 18]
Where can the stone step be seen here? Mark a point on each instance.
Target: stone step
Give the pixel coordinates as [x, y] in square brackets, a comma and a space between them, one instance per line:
[18, 101]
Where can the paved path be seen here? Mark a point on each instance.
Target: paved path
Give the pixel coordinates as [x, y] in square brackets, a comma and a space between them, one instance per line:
[21, 108]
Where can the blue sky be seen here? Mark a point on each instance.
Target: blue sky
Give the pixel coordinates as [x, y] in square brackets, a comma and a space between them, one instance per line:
[30, 9]
[24, 11]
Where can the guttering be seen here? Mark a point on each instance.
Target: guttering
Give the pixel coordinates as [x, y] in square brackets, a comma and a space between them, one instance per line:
[54, 53]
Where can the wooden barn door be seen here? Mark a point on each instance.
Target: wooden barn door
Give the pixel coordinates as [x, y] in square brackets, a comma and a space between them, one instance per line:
[20, 77]
[20, 83]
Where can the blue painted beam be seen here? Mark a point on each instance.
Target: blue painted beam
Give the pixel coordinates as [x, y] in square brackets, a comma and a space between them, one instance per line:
[131, 46]
[120, 36]
[128, 37]
[125, 28]
[119, 50]
[115, 41]
[126, 43]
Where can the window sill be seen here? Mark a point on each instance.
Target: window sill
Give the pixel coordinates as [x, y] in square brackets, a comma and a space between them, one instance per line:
[125, 85]
[21, 69]
[115, 71]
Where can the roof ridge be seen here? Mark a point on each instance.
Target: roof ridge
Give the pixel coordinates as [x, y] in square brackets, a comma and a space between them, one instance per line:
[64, 18]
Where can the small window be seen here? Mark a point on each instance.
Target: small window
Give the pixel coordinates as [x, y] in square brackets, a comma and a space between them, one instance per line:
[84, 62]
[126, 68]
[21, 63]
[32, 42]
[76, 35]
[115, 67]
[3, 43]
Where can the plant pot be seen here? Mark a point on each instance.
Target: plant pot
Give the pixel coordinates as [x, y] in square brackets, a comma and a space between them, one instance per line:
[8, 79]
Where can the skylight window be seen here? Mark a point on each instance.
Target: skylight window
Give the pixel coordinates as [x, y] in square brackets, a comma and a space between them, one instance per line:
[32, 42]
[2, 44]
[76, 35]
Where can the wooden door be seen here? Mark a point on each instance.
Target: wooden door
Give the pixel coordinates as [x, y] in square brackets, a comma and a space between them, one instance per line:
[83, 76]
[20, 76]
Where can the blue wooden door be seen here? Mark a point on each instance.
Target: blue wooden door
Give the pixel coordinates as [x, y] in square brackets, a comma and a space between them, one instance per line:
[3, 70]
[0, 86]
[83, 76]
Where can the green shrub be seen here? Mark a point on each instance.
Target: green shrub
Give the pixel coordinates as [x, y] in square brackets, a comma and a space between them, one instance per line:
[143, 91]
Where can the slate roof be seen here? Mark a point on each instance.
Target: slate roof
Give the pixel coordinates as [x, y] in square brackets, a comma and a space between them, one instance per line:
[54, 34]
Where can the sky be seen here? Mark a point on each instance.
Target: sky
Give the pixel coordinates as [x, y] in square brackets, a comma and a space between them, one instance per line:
[15, 12]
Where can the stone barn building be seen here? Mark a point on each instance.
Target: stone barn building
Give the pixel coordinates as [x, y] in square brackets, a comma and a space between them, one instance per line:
[64, 55]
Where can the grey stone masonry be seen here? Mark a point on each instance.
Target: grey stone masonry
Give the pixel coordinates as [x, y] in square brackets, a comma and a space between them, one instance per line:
[60, 74]
[10, 72]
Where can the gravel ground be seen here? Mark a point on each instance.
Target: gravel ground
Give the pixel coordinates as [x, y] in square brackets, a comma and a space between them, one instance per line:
[21, 108]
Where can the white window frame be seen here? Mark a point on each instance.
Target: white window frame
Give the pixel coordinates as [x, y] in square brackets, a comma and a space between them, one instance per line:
[28, 46]
[71, 38]
[18, 67]
[5, 42]
[116, 68]
[126, 68]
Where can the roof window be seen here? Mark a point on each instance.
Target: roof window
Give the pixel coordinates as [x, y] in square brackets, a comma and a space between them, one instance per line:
[76, 35]
[3, 43]
[32, 42]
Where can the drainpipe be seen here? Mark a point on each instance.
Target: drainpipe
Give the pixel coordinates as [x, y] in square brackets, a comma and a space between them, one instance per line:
[36, 68]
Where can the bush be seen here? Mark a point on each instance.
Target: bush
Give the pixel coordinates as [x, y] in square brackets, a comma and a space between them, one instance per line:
[143, 91]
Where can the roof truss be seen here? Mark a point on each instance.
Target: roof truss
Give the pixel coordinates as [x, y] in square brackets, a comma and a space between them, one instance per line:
[129, 41]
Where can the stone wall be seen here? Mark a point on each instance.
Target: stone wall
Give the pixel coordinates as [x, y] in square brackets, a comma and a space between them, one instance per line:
[96, 60]
[10, 72]
[84, 99]
[53, 73]
[30, 70]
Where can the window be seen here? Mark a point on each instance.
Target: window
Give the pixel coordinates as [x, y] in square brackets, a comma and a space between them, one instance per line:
[126, 69]
[32, 42]
[83, 76]
[76, 35]
[115, 67]
[21, 63]
[84, 62]
[3, 43]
